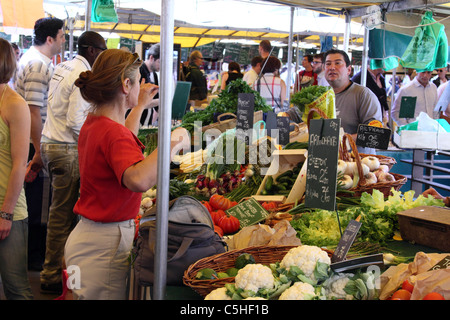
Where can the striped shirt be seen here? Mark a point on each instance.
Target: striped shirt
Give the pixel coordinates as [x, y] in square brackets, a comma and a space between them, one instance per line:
[269, 87]
[33, 76]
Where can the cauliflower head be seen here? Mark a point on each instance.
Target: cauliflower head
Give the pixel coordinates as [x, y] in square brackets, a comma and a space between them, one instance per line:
[254, 277]
[299, 291]
[305, 257]
[334, 286]
[218, 294]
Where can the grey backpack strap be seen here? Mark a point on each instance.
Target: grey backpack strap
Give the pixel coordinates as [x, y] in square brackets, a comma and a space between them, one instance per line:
[182, 249]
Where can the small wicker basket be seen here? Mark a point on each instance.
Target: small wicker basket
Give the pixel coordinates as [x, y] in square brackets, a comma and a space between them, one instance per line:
[223, 261]
[384, 187]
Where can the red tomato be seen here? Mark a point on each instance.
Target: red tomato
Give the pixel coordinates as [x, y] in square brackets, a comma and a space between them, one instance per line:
[407, 286]
[207, 205]
[218, 230]
[433, 296]
[401, 294]
[229, 224]
[269, 205]
[218, 201]
[233, 203]
[217, 215]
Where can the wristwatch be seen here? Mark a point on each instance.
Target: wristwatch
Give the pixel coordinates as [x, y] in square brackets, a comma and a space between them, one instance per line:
[6, 216]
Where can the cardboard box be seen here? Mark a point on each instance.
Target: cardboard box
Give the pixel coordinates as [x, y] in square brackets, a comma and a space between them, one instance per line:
[282, 161]
[409, 139]
[426, 225]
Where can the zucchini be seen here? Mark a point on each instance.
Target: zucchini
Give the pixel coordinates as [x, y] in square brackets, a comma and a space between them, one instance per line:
[287, 173]
[283, 179]
[269, 183]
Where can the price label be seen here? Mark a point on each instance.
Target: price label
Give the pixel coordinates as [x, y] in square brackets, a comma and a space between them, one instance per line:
[373, 137]
[249, 212]
[245, 113]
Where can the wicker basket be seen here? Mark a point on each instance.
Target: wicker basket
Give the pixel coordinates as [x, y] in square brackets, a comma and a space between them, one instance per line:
[223, 261]
[384, 187]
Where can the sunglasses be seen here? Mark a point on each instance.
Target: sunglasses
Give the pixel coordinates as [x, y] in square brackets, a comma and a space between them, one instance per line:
[100, 48]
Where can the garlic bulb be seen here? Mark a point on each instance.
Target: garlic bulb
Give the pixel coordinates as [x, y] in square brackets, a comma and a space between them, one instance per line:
[350, 169]
[342, 166]
[365, 169]
[372, 162]
[347, 182]
[370, 178]
[386, 177]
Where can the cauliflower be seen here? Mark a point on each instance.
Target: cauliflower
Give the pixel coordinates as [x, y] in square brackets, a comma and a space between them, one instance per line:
[218, 294]
[255, 298]
[334, 286]
[305, 257]
[299, 291]
[254, 277]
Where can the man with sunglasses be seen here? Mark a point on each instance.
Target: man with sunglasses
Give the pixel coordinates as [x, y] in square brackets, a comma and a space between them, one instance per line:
[441, 77]
[66, 113]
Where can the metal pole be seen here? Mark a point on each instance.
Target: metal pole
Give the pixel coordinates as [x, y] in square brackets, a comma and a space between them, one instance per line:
[365, 57]
[289, 76]
[164, 130]
[87, 16]
[347, 32]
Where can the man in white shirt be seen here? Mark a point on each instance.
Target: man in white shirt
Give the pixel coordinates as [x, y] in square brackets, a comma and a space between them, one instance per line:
[426, 93]
[66, 113]
[318, 68]
[252, 75]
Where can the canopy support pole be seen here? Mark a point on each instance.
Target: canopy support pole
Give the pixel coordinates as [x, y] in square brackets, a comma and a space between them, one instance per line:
[87, 16]
[347, 32]
[164, 131]
[289, 75]
[365, 57]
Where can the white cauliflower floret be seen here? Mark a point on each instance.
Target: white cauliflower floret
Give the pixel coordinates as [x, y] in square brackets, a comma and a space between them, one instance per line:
[254, 277]
[298, 291]
[334, 286]
[255, 298]
[218, 294]
[305, 257]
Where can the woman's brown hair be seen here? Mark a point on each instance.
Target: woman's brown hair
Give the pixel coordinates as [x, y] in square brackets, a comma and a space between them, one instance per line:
[8, 62]
[111, 68]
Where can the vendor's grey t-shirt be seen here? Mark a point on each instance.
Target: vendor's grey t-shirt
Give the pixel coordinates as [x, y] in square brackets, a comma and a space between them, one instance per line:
[357, 105]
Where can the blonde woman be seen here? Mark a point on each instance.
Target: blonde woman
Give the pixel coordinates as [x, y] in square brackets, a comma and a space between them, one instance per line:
[113, 174]
[14, 146]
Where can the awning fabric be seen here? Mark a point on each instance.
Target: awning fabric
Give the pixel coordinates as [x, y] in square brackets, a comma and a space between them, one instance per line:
[19, 16]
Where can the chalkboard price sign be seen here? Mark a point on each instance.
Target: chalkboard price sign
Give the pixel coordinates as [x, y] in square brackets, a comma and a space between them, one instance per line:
[249, 212]
[321, 175]
[373, 137]
[245, 113]
[346, 241]
[283, 130]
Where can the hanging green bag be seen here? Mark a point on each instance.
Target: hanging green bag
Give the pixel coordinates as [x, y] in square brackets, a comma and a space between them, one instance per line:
[103, 11]
[428, 49]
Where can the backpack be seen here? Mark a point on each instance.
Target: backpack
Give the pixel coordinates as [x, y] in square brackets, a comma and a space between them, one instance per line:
[191, 237]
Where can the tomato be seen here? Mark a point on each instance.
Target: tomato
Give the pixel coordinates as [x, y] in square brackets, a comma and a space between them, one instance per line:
[216, 215]
[233, 203]
[207, 205]
[401, 294]
[407, 286]
[218, 230]
[218, 201]
[229, 224]
[269, 205]
[433, 296]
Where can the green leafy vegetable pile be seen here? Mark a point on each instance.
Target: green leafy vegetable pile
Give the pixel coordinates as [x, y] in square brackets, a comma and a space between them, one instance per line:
[226, 102]
[377, 215]
[307, 95]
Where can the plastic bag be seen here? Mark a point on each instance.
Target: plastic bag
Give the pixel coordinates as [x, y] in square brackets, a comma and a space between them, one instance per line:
[103, 11]
[324, 103]
[428, 49]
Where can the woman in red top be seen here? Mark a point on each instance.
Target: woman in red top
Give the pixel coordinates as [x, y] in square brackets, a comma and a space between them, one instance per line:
[113, 173]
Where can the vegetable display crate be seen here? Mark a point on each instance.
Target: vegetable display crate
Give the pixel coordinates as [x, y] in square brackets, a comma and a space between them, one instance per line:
[426, 225]
[223, 261]
[282, 162]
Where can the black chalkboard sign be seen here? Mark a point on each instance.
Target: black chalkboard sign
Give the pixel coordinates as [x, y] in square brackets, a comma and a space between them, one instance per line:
[271, 123]
[321, 174]
[283, 130]
[373, 137]
[249, 212]
[245, 113]
[346, 241]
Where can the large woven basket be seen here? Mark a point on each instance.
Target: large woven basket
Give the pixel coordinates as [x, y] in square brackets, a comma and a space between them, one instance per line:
[223, 261]
[384, 187]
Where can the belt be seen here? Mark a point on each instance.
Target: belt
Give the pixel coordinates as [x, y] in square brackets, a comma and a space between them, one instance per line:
[59, 146]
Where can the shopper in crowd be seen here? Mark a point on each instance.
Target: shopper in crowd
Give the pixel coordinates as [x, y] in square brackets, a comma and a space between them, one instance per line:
[251, 75]
[426, 93]
[14, 146]
[376, 83]
[234, 72]
[34, 72]
[17, 52]
[199, 89]
[355, 104]
[148, 71]
[114, 173]
[265, 48]
[440, 91]
[409, 76]
[441, 77]
[66, 113]
[270, 86]
[305, 77]
[318, 69]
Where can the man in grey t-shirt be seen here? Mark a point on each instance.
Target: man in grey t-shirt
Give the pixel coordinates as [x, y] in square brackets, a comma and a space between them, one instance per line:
[355, 104]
